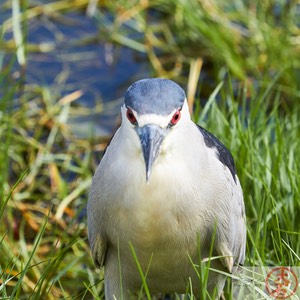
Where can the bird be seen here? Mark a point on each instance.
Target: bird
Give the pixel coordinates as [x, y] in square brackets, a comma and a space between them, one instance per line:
[165, 190]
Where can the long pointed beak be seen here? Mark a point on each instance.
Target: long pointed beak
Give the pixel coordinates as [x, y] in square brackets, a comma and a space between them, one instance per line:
[151, 137]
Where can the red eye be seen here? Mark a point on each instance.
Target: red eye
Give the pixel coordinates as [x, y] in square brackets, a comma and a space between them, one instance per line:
[176, 117]
[130, 116]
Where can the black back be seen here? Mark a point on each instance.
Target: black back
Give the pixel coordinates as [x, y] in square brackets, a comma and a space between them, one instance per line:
[224, 154]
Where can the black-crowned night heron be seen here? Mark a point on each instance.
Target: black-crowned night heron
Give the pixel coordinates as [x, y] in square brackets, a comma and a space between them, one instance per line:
[165, 191]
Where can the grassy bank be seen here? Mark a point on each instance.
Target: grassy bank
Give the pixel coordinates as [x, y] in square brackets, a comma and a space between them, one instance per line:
[251, 52]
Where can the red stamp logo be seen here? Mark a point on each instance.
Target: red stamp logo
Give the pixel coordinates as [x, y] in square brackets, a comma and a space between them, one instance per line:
[281, 283]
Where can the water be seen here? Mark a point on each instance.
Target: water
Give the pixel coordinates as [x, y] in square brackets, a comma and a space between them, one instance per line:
[72, 59]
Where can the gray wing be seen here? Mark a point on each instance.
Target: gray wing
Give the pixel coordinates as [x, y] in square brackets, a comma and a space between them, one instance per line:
[96, 211]
[240, 233]
[95, 219]
[97, 241]
[232, 243]
[233, 252]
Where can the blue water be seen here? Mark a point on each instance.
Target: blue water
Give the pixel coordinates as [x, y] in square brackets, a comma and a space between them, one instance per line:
[101, 71]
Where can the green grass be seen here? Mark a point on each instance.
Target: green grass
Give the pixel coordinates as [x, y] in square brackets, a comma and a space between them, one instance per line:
[248, 61]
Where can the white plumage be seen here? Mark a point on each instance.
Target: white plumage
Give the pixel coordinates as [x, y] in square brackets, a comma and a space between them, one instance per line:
[189, 196]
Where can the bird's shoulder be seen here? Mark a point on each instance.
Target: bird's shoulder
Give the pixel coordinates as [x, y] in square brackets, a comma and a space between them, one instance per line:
[223, 153]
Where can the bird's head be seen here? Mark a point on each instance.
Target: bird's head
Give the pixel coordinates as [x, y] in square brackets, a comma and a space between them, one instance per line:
[153, 108]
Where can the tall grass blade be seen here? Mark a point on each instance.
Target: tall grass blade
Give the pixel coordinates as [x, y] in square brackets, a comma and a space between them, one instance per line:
[142, 275]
